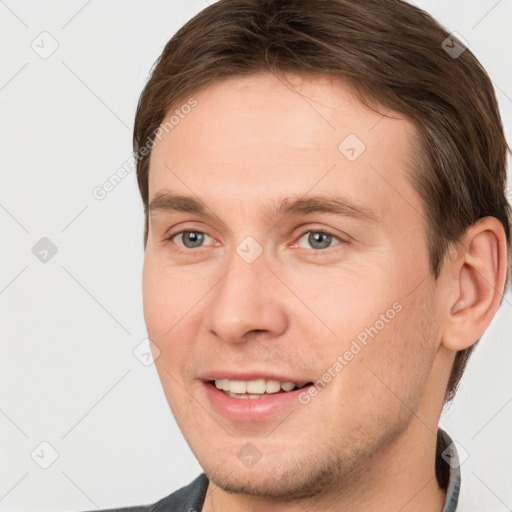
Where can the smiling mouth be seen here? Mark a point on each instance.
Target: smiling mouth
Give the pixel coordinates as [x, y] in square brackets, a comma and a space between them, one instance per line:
[255, 388]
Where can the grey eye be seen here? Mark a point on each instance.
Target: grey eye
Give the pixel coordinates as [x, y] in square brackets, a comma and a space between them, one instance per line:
[318, 239]
[191, 239]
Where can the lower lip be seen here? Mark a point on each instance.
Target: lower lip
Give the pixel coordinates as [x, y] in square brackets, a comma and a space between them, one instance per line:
[251, 409]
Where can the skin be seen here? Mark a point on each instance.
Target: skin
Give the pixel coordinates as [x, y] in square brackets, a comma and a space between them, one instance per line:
[367, 440]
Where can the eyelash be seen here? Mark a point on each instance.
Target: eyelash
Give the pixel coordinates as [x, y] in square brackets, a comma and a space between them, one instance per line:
[320, 231]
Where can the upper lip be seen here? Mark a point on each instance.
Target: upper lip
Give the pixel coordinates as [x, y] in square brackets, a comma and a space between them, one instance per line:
[253, 375]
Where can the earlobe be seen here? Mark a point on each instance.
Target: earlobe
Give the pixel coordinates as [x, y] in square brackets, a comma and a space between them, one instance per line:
[479, 278]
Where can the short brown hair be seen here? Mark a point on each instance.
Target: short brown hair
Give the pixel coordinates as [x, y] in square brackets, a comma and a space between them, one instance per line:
[393, 56]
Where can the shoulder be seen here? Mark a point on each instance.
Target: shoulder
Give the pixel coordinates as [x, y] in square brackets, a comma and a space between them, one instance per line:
[189, 498]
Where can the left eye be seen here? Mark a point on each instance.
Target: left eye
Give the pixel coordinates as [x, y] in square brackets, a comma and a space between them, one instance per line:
[319, 239]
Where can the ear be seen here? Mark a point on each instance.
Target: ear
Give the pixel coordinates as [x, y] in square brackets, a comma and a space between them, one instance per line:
[477, 283]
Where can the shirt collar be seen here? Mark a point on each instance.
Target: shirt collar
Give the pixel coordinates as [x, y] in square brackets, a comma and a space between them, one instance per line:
[447, 463]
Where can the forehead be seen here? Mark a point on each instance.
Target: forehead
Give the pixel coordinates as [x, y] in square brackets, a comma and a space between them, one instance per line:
[251, 137]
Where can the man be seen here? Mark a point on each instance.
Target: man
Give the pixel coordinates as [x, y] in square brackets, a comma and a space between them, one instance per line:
[326, 241]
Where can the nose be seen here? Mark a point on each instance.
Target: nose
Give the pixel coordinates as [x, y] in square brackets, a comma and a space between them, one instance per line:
[246, 301]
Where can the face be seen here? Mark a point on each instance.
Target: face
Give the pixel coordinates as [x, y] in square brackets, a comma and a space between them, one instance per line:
[298, 257]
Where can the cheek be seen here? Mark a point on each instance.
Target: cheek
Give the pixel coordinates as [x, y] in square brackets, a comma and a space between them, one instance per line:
[172, 307]
[344, 304]
[398, 361]
[166, 296]
[386, 336]
[156, 302]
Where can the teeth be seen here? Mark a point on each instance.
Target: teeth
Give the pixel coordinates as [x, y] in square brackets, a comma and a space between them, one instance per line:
[237, 386]
[252, 388]
[273, 386]
[287, 386]
[243, 395]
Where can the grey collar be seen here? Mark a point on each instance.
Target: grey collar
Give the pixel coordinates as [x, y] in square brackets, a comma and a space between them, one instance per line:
[447, 460]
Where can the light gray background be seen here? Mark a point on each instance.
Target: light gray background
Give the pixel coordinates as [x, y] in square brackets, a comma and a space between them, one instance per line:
[69, 326]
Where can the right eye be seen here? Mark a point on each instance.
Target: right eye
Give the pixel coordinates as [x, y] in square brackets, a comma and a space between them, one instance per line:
[189, 239]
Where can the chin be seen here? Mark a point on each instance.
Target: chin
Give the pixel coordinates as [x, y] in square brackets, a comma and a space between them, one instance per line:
[278, 481]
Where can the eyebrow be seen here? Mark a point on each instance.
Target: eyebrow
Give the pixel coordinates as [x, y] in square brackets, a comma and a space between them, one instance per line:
[288, 206]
